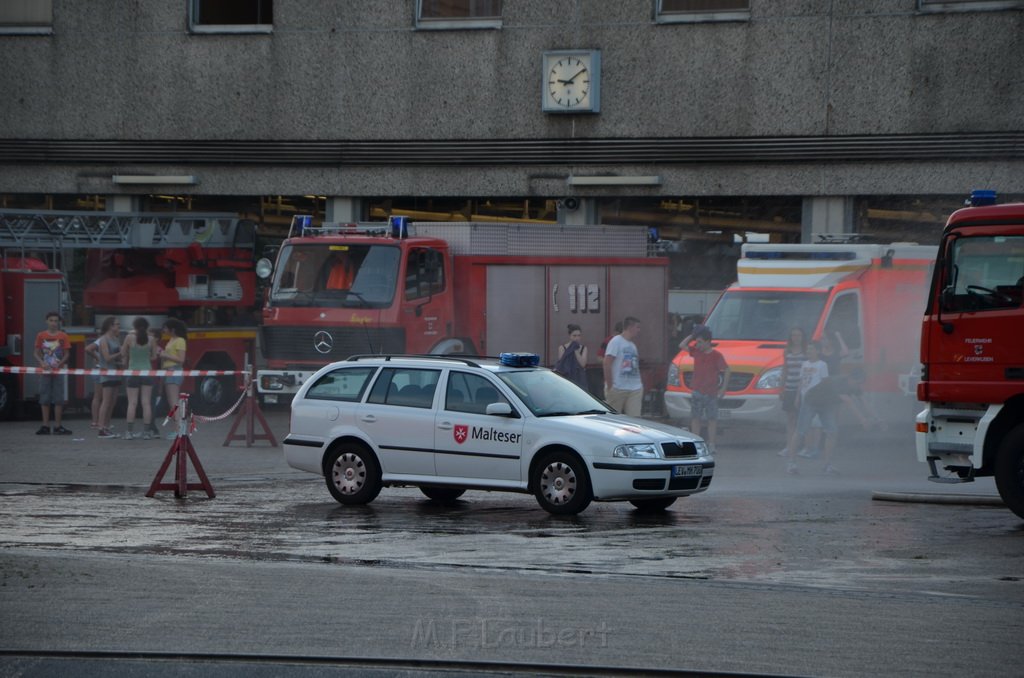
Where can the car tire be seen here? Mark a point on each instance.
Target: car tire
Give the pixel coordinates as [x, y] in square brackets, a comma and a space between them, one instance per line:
[443, 495]
[561, 484]
[352, 474]
[653, 505]
[1009, 470]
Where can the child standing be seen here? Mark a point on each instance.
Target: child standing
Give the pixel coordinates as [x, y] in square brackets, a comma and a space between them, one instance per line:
[141, 352]
[793, 357]
[52, 351]
[710, 377]
[812, 372]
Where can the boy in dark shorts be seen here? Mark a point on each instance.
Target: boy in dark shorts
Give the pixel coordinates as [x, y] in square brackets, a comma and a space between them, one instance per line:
[823, 401]
[52, 350]
[710, 376]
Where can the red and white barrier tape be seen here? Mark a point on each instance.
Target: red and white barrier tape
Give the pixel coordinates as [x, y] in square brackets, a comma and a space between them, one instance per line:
[120, 373]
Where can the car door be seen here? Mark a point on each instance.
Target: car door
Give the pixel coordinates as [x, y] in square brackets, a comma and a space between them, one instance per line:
[398, 416]
[471, 444]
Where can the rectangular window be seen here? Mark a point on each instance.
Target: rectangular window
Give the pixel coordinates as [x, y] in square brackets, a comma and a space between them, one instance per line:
[452, 14]
[968, 5]
[681, 11]
[984, 273]
[231, 16]
[29, 17]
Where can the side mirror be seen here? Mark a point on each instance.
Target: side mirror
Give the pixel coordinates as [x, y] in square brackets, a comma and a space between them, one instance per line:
[499, 409]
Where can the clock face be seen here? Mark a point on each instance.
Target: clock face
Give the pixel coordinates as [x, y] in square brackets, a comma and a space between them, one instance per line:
[571, 81]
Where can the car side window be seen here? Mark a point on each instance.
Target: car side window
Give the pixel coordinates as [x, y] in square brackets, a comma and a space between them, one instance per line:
[345, 384]
[405, 387]
[470, 393]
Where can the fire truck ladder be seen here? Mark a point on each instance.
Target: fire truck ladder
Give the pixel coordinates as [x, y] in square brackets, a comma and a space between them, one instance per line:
[36, 229]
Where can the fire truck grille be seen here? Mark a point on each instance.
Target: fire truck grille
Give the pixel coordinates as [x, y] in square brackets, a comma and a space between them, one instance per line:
[737, 380]
[327, 344]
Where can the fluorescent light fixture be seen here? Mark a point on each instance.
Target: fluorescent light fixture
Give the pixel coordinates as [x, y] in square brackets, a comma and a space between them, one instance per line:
[155, 179]
[613, 180]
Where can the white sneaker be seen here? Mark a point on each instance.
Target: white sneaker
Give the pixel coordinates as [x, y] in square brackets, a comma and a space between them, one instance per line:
[791, 469]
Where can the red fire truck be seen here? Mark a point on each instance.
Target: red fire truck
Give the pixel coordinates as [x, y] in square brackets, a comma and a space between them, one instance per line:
[197, 267]
[443, 288]
[973, 355]
[870, 294]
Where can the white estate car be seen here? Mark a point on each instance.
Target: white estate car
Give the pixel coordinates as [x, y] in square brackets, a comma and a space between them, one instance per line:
[447, 424]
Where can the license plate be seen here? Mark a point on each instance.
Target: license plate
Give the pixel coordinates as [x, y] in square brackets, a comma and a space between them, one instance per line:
[686, 471]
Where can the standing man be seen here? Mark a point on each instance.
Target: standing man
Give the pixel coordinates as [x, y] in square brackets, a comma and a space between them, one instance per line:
[623, 388]
[52, 351]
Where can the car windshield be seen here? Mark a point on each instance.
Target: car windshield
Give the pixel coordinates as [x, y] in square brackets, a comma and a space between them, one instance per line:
[547, 394]
[361, 276]
[764, 315]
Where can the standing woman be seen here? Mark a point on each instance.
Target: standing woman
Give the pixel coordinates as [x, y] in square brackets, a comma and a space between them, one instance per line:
[172, 357]
[794, 355]
[109, 359]
[574, 367]
[141, 352]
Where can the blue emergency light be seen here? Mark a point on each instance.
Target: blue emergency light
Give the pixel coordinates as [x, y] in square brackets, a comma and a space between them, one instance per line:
[980, 197]
[519, 359]
[399, 227]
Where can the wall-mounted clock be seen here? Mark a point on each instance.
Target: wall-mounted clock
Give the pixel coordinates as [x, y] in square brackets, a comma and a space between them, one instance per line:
[571, 81]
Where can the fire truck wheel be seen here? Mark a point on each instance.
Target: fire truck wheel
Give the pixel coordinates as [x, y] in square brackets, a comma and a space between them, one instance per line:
[8, 395]
[443, 495]
[652, 505]
[213, 395]
[352, 474]
[561, 484]
[1010, 470]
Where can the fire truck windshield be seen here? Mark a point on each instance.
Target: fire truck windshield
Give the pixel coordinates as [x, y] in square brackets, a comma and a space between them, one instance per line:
[765, 315]
[362, 276]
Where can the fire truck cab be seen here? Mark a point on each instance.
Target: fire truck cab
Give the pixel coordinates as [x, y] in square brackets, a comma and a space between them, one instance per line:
[972, 382]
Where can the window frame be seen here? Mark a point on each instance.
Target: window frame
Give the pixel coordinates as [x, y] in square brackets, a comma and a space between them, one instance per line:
[696, 16]
[940, 6]
[454, 23]
[195, 27]
[29, 28]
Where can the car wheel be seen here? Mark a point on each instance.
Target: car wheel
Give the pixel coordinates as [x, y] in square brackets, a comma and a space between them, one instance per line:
[561, 484]
[443, 495]
[652, 505]
[1009, 471]
[352, 474]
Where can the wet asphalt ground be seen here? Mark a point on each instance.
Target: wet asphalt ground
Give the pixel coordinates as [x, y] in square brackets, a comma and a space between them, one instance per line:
[757, 528]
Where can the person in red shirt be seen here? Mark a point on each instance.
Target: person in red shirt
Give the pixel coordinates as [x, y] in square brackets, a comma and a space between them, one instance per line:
[52, 351]
[710, 376]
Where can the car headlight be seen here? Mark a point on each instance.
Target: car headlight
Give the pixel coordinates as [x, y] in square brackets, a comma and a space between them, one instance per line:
[702, 448]
[772, 379]
[638, 451]
[673, 375]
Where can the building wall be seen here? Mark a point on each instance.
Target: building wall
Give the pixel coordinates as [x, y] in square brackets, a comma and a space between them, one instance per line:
[355, 71]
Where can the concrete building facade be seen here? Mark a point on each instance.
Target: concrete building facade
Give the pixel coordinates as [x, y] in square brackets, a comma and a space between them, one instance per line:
[822, 103]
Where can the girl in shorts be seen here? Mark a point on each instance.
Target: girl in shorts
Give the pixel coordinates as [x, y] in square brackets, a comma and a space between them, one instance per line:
[110, 359]
[172, 357]
[141, 352]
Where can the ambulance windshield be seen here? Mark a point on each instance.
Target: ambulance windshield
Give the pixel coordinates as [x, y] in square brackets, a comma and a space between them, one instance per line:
[765, 315]
[360, 276]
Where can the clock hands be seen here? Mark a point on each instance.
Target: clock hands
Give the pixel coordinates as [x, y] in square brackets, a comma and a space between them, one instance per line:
[569, 81]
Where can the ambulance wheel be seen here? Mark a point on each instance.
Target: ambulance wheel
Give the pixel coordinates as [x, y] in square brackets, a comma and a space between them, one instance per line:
[352, 474]
[8, 396]
[443, 495]
[1010, 470]
[561, 484]
[652, 505]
